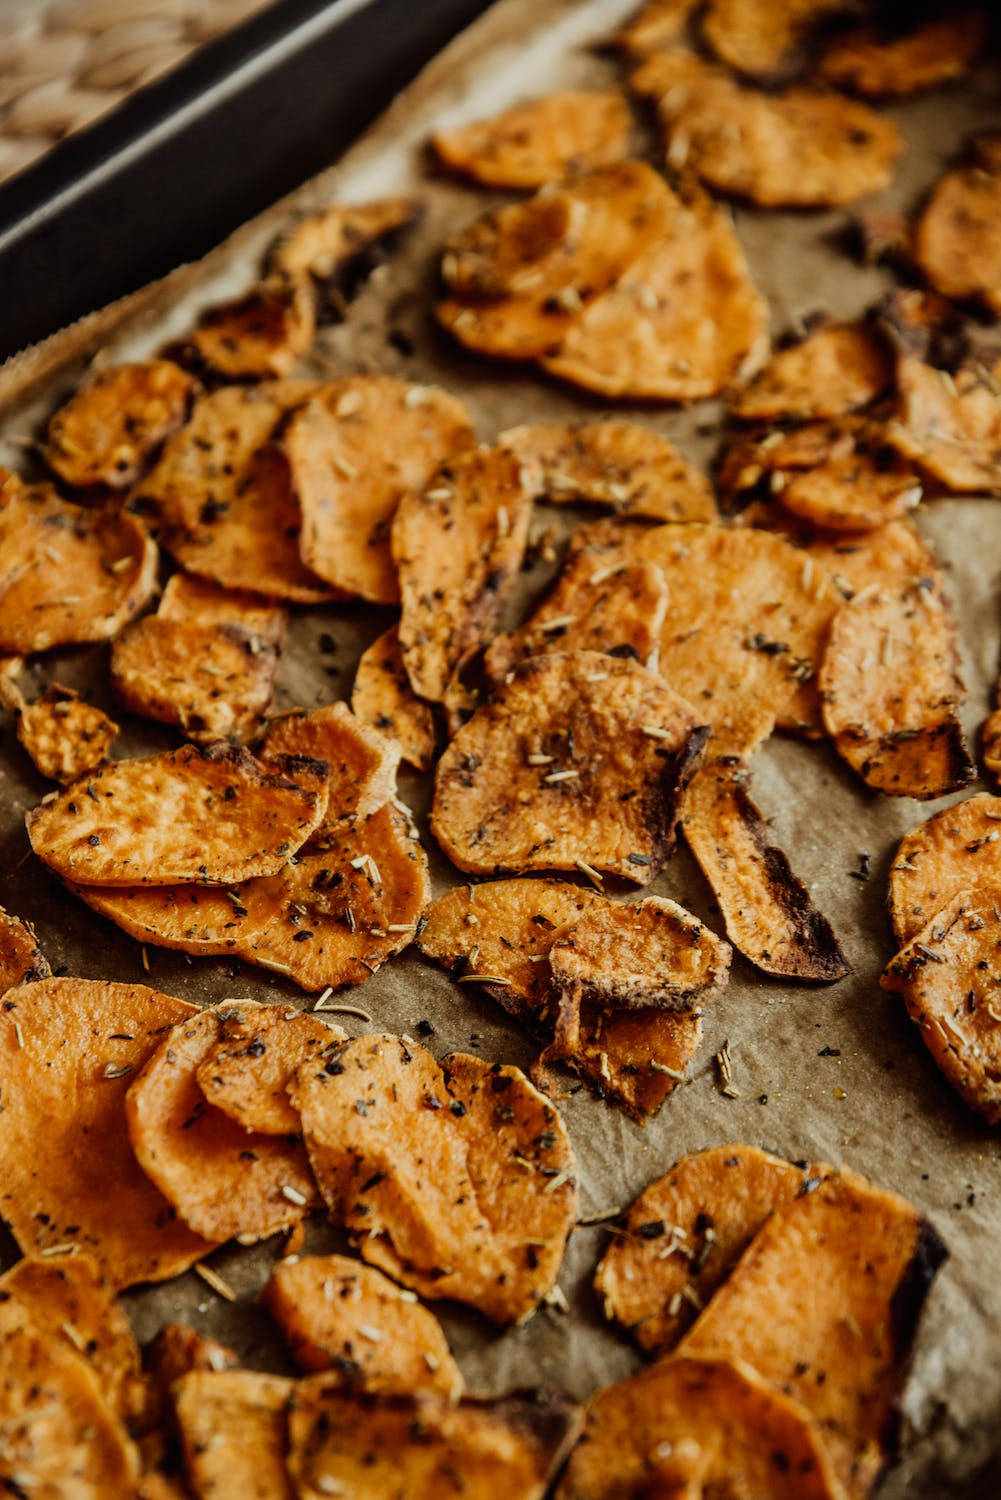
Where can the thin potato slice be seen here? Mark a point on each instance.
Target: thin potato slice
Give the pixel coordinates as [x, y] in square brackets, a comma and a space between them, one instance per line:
[580, 760]
[881, 66]
[65, 736]
[851, 1266]
[956, 238]
[337, 1314]
[761, 39]
[334, 244]
[835, 369]
[178, 1349]
[950, 425]
[857, 492]
[246, 1071]
[71, 1048]
[215, 815]
[21, 958]
[656, 24]
[990, 744]
[353, 451]
[767, 911]
[892, 553]
[612, 462]
[948, 978]
[233, 1434]
[540, 140]
[636, 1058]
[383, 699]
[108, 431]
[221, 1179]
[262, 334]
[423, 1164]
[958, 849]
[513, 249]
[199, 601]
[458, 546]
[690, 1427]
[361, 761]
[890, 688]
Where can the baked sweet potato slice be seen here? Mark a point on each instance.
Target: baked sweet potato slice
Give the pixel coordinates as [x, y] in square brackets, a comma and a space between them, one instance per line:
[246, 1071]
[895, 552]
[261, 334]
[635, 1058]
[233, 1433]
[361, 761]
[65, 736]
[580, 759]
[540, 140]
[692, 1427]
[956, 238]
[199, 601]
[957, 849]
[890, 688]
[383, 699]
[851, 1265]
[71, 1047]
[458, 545]
[215, 815]
[110, 429]
[221, 1179]
[339, 244]
[456, 1179]
[990, 744]
[762, 40]
[337, 1314]
[21, 958]
[950, 425]
[67, 575]
[656, 24]
[880, 66]
[514, 248]
[837, 368]
[177, 1349]
[631, 468]
[860, 491]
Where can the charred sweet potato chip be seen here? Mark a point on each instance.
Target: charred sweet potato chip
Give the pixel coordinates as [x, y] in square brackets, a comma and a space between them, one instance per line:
[950, 425]
[71, 1048]
[612, 462]
[337, 1314]
[246, 1071]
[956, 240]
[215, 815]
[353, 451]
[540, 140]
[835, 369]
[260, 334]
[890, 688]
[221, 1179]
[854, 1264]
[65, 736]
[361, 761]
[108, 431]
[383, 699]
[21, 958]
[887, 66]
[456, 1179]
[536, 779]
[692, 1427]
[656, 24]
[958, 849]
[334, 244]
[458, 545]
[233, 1433]
[760, 39]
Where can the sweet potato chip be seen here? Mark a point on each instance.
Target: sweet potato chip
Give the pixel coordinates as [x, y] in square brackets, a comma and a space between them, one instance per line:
[260, 334]
[65, 736]
[761, 39]
[458, 546]
[990, 744]
[656, 24]
[199, 601]
[540, 140]
[71, 1048]
[337, 1314]
[860, 491]
[21, 959]
[456, 1179]
[108, 431]
[892, 553]
[635, 1058]
[340, 243]
[685, 1233]
[233, 1433]
[562, 770]
[889, 66]
[246, 1071]
[854, 1264]
[958, 849]
[890, 688]
[510, 250]
[691, 1427]
[612, 462]
[956, 240]
[835, 369]
[353, 451]
[67, 575]
[221, 1179]
[215, 815]
[361, 761]
[767, 911]
[178, 1349]
[950, 425]
[383, 699]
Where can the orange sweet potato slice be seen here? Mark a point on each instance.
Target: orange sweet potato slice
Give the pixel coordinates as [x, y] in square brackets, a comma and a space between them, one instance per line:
[337, 1314]
[108, 431]
[361, 761]
[334, 244]
[562, 770]
[457, 546]
[215, 815]
[956, 237]
[950, 425]
[353, 451]
[457, 1180]
[860, 491]
[512, 249]
[762, 40]
[894, 552]
[233, 1433]
[957, 849]
[854, 1264]
[990, 744]
[65, 736]
[221, 1179]
[246, 1071]
[879, 66]
[890, 688]
[656, 24]
[178, 1349]
[262, 333]
[835, 369]
[199, 601]
[383, 699]
[21, 958]
[71, 1047]
[540, 140]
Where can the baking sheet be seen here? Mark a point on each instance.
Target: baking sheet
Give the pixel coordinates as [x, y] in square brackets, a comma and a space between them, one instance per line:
[835, 1074]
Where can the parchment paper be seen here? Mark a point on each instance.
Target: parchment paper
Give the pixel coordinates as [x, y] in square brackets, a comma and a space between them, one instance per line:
[878, 1102]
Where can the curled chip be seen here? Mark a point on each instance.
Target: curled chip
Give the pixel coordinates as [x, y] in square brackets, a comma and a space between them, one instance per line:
[956, 240]
[767, 911]
[223, 1181]
[383, 699]
[108, 431]
[67, 575]
[353, 451]
[361, 762]
[763, 40]
[693, 1426]
[541, 140]
[246, 1071]
[65, 736]
[458, 546]
[656, 24]
[950, 425]
[262, 333]
[21, 958]
[70, 1049]
[684, 1234]
[612, 462]
[887, 66]
[678, 324]
[580, 761]
[337, 1314]
[215, 815]
[890, 688]
[233, 1433]
[487, 1222]
[958, 849]
[340, 244]
[947, 975]
[854, 1264]
[835, 369]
